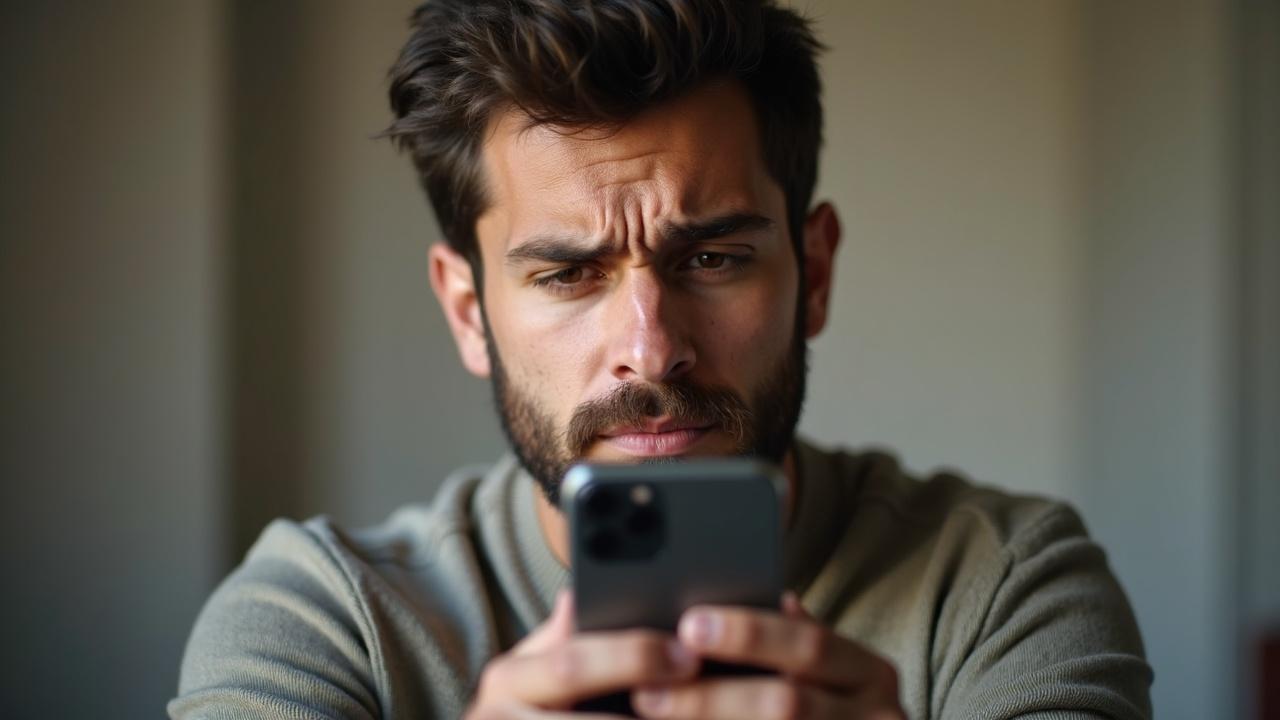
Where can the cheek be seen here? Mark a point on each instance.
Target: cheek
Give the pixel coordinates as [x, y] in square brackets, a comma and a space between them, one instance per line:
[546, 355]
[745, 339]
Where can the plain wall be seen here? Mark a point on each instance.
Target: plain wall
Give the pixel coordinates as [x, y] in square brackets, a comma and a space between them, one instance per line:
[110, 353]
[390, 411]
[1258, 386]
[1159, 290]
[952, 135]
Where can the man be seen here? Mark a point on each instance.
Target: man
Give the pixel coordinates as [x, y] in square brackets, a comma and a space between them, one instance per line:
[633, 260]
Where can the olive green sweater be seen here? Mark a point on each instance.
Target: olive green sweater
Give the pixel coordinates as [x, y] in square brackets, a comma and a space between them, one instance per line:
[990, 605]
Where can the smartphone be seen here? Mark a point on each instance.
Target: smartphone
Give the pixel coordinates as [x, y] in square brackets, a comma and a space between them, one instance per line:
[648, 541]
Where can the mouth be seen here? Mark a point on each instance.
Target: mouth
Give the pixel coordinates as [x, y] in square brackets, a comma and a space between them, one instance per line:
[657, 438]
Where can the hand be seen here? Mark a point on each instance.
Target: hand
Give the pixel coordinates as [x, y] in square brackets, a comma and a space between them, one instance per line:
[820, 674]
[554, 668]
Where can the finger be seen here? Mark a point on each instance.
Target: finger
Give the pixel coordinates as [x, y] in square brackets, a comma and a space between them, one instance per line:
[758, 698]
[557, 628]
[791, 606]
[789, 645]
[523, 712]
[586, 666]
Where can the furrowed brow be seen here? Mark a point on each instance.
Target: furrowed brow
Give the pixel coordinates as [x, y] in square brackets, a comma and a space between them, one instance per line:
[567, 251]
[718, 227]
[557, 250]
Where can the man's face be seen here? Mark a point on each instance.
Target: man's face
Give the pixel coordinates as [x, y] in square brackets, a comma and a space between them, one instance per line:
[640, 289]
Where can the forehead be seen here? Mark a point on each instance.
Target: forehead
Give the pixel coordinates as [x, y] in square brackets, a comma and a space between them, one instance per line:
[698, 154]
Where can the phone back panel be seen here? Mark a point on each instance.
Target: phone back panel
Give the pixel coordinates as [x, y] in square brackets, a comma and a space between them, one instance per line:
[710, 535]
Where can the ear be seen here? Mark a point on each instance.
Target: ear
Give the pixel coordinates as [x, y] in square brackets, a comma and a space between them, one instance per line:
[821, 238]
[455, 288]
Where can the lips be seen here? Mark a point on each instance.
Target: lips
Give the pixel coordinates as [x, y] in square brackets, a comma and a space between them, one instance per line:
[656, 438]
[655, 426]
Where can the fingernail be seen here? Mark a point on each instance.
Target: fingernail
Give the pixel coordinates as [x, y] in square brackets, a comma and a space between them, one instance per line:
[700, 628]
[683, 659]
[653, 701]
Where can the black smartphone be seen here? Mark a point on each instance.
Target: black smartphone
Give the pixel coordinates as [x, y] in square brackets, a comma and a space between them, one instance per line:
[649, 541]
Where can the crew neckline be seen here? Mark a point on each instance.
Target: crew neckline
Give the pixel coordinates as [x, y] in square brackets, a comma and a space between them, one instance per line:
[531, 575]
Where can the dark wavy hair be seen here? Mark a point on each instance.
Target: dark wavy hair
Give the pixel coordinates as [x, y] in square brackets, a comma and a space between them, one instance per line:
[585, 63]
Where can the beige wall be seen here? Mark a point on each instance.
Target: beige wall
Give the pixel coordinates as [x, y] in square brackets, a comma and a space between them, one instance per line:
[393, 410]
[1024, 187]
[110, 352]
[952, 138]
[1161, 344]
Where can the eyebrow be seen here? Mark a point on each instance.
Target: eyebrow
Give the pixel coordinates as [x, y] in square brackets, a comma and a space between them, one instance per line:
[568, 251]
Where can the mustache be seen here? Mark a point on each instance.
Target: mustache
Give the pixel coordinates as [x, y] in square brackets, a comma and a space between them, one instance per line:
[630, 403]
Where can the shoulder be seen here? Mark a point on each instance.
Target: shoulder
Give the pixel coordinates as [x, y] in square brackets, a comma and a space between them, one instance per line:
[1001, 598]
[944, 535]
[875, 491]
[414, 534]
[285, 625]
[318, 614]
[336, 558]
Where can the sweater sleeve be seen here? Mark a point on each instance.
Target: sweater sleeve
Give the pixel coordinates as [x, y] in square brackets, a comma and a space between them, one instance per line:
[1058, 639]
[280, 638]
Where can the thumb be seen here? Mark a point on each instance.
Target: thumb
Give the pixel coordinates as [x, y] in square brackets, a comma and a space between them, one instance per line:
[555, 629]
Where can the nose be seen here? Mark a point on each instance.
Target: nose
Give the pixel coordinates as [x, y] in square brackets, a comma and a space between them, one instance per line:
[648, 341]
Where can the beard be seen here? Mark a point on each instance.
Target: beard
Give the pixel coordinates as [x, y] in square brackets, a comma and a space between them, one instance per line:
[762, 428]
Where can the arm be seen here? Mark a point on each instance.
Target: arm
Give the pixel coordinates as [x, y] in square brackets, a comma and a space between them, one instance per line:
[1058, 639]
[287, 636]
[280, 638]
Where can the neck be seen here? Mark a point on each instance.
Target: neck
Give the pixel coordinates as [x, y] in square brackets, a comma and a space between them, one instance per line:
[555, 528]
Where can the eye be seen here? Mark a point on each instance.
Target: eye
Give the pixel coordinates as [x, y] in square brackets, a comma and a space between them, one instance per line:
[568, 276]
[709, 261]
[571, 280]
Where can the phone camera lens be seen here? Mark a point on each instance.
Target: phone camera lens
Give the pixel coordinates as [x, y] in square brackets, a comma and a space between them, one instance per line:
[603, 544]
[642, 521]
[601, 502]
